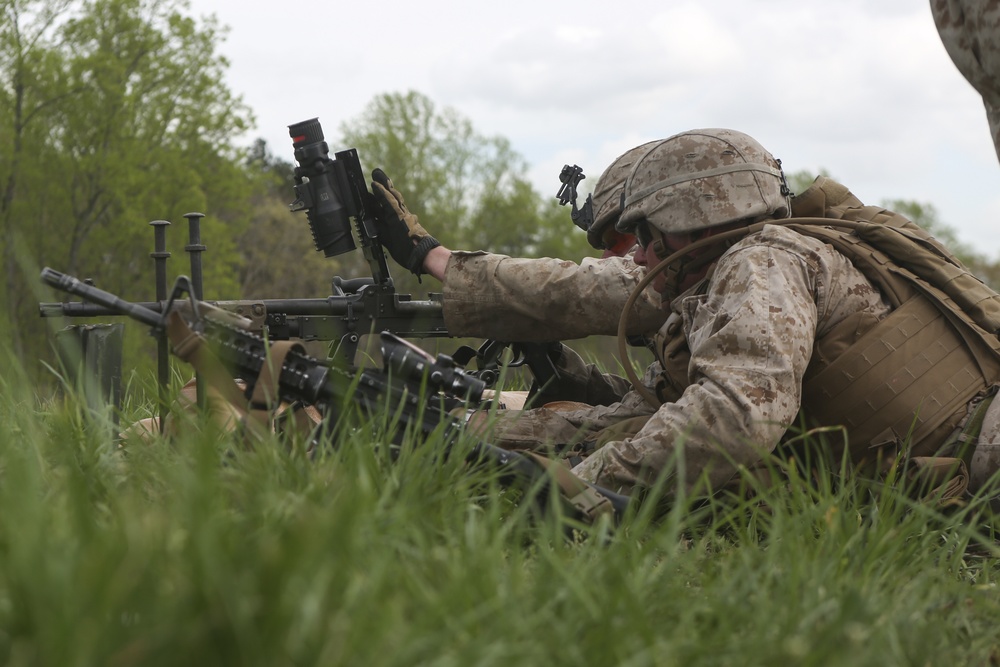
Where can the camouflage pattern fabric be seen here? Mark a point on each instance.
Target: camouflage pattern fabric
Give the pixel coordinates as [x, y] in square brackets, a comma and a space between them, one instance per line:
[970, 32]
[751, 338]
[751, 334]
[703, 178]
[570, 424]
[985, 459]
[608, 193]
[747, 362]
[506, 298]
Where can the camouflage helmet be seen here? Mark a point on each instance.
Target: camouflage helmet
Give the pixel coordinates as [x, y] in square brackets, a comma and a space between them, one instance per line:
[607, 197]
[701, 179]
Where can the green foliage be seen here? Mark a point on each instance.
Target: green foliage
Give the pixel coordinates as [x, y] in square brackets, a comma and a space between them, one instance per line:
[468, 190]
[115, 114]
[279, 259]
[799, 181]
[199, 551]
[557, 236]
[435, 157]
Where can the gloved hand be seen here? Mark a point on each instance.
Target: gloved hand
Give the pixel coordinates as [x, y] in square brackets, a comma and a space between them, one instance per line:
[398, 230]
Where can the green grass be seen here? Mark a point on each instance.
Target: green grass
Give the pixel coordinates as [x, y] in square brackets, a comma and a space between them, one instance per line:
[199, 552]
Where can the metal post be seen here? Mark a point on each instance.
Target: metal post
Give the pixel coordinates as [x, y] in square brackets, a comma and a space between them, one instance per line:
[160, 256]
[194, 249]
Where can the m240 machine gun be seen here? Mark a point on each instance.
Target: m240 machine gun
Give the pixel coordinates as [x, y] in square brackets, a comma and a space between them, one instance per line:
[332, 192]
[202, 334]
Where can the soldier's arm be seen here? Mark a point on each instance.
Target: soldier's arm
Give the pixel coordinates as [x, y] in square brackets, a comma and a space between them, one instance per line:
[507, 298]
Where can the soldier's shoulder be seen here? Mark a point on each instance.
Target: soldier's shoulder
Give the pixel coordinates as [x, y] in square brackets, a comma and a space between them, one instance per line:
[782, 237]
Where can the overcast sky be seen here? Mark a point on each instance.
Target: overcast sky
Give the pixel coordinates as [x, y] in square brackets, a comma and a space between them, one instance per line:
[861, 88]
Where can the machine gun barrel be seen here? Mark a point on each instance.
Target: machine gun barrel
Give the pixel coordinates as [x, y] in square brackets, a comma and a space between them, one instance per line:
[329, 306]
[372, 309]
[407, 371]
[106, 301]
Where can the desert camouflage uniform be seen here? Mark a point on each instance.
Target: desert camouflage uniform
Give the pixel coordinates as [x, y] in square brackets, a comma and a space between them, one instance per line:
[747, 361]
[495, 296]
[509, 298]
[752, 331]
[970, 31]
[751, 337]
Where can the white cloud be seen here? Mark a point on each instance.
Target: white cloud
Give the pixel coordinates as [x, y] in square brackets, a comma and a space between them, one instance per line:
[863, 89]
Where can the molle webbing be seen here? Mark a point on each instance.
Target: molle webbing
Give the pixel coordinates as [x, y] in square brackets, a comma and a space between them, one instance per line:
[902, 269]
[915, 254]
[909, 377]
[911, 358]
[937, 350]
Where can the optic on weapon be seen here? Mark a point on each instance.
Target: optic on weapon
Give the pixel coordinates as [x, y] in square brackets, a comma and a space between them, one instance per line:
[322, 190]
[570, 177]
[331, 192]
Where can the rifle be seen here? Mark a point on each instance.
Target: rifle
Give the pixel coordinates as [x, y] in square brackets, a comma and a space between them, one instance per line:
[332, 193]
[408, 372]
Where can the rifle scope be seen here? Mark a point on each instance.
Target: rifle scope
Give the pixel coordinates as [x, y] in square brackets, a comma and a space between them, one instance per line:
[322, 190]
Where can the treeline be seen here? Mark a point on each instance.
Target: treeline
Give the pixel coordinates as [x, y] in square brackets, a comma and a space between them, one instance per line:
[112, 114]
[115, 113]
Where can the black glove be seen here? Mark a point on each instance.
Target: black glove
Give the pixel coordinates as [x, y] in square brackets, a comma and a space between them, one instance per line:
[398, 230]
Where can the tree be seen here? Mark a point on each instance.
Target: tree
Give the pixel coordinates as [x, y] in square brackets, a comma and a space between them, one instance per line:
[470, 189]
[122, 117]
[278, 256]
[31, 84]
[151, 131]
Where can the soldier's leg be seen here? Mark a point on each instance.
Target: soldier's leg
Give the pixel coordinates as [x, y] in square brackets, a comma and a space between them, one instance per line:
[985, 462]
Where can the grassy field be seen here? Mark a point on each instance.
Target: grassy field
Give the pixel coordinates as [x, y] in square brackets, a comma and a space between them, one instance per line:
[199, 552]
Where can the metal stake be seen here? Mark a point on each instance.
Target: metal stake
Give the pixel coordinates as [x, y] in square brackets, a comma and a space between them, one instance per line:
[160, 256]
[194, 249]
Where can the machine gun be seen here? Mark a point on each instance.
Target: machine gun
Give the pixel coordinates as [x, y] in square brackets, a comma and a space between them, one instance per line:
[332, 192]
[408, 373]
